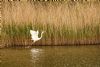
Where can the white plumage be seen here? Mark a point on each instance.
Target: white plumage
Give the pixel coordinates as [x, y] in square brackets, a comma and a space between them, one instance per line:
[34, 35]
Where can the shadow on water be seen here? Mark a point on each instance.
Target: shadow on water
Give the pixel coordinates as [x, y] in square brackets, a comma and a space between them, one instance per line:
[51, 56]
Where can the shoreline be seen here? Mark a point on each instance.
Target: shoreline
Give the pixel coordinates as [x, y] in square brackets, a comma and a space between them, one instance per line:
[48, 42]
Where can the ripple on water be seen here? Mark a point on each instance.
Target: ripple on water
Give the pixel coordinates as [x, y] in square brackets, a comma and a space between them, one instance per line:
[35, 54]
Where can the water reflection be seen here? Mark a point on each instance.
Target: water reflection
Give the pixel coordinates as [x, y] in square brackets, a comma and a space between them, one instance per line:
[35, 54]
[55, 56]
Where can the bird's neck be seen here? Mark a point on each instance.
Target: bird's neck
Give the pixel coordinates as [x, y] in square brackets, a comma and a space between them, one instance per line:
[41, 35]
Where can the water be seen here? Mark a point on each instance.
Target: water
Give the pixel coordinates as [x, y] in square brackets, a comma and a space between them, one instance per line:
[51, 56]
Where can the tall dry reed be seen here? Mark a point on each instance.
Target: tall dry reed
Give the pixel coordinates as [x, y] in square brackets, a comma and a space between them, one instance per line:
[64, 22]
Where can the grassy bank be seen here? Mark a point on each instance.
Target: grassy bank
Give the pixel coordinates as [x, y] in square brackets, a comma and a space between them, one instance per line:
[65, 23]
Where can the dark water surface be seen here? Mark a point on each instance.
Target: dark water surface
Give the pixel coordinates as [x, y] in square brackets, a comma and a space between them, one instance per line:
[51, 56]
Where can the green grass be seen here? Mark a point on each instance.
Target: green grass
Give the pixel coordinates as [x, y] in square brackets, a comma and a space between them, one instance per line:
[64, 23]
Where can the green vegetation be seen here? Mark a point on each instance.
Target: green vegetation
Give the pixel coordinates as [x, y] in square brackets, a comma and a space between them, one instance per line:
[64, 23]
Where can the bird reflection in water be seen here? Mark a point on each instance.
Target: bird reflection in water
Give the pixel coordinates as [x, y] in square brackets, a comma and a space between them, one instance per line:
[35, 53]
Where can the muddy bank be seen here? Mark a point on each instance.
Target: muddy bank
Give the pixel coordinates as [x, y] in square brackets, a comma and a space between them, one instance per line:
[51, 42]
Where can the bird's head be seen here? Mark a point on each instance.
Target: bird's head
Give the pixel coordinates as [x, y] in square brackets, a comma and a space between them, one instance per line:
[43, 31]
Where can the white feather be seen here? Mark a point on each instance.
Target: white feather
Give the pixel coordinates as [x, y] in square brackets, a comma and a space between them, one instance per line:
[34, 35]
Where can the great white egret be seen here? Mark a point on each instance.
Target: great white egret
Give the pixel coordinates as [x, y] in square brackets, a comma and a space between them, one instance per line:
[34, 35]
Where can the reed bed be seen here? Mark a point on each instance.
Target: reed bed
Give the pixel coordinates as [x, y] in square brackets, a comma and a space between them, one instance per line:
[65, 23]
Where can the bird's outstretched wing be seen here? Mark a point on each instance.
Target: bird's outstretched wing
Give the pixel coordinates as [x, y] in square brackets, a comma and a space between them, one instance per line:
[34, 34]
[37, 32]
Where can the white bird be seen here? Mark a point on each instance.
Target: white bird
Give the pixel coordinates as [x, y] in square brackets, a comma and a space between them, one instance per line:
[34, 35]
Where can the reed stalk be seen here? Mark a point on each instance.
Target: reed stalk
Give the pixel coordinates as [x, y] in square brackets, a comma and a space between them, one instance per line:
[65, 23]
